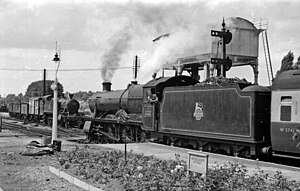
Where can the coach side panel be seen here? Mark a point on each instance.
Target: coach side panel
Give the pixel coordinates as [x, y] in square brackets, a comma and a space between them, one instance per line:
[285, 120]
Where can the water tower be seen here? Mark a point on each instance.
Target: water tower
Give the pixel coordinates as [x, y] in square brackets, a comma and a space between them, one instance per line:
[243, 50]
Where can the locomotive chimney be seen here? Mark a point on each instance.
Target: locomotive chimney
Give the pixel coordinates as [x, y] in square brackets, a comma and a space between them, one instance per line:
[106, 86]
[134, 82]
[154, 75]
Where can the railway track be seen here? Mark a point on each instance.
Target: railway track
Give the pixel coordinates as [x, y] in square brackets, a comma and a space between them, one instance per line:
[31, 130]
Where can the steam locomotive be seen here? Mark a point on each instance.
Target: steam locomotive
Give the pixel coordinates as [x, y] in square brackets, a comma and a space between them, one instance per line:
[40, 110]
[228, 118]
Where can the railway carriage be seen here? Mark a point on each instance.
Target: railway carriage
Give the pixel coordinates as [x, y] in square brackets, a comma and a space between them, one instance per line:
[16, 109]
[24, 111]
[10, 109]
[3, 108]
[35, 108]
[47, 108]
[285, 113]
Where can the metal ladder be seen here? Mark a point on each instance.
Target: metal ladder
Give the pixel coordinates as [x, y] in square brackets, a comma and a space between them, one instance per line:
[267, 56]
[263, 25]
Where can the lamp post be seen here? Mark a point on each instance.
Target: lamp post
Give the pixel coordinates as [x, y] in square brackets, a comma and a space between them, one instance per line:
[54, 87]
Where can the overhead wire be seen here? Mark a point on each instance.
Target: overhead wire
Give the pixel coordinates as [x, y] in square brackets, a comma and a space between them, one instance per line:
[62, 70]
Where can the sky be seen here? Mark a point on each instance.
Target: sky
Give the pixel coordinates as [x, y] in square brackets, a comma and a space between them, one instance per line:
[98, 39]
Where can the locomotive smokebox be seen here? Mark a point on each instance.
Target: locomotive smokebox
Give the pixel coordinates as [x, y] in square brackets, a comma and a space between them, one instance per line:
[106, 86]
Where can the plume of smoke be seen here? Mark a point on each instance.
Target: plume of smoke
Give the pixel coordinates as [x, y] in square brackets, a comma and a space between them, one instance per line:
[181, 42]
[188, 28]
[111, 58]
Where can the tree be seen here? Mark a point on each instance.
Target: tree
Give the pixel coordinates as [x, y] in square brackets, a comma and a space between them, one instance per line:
[287, 62]
[12, 98]
[36, 88]
[83, 96]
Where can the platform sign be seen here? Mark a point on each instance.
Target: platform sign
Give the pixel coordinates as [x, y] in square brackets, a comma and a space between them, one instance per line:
[197, 162]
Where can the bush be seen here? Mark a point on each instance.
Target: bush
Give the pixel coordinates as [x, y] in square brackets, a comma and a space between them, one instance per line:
[296, 137]
[141, 172]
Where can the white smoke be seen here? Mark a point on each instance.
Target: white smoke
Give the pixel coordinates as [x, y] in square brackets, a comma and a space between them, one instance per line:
[180, 43]
[189, 35]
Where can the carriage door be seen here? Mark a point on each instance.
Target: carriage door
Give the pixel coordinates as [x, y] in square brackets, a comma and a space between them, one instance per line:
[36, 107]
[149, 110]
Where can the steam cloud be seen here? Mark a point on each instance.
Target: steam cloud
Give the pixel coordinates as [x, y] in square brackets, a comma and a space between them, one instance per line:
[188, 27]
[111, 59]
[189, 35]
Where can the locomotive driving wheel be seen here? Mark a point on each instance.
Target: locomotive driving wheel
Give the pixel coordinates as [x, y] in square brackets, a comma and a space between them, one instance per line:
[66, 124]
[130, 132]
[103, 139]
[140, 136]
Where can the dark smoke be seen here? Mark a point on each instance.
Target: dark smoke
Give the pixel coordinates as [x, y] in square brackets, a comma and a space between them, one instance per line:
[111, 59]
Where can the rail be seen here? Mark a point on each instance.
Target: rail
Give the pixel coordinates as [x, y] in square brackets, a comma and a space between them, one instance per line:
[37, 131]
[22, 129]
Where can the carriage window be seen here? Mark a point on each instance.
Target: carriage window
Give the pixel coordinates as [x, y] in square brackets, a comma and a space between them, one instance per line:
[286, 108]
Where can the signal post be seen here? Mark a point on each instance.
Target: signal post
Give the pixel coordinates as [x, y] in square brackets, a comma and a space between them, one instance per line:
[225, 62]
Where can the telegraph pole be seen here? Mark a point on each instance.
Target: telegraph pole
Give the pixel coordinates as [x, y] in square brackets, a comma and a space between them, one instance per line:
[44, 83]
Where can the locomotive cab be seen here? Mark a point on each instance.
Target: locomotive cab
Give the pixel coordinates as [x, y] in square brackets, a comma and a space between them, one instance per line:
[153, 95]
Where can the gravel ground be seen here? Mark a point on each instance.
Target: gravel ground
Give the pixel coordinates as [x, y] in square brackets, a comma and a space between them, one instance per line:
[30, 173]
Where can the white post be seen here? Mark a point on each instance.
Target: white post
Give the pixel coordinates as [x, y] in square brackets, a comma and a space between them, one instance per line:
[54, 87]
[54, 121]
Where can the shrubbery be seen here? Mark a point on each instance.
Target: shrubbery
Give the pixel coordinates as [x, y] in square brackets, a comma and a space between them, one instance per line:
[141, 172]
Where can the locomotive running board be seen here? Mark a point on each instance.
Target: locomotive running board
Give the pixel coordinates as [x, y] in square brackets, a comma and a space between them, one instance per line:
[113, 137]
[115, 121]
[285, 156]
